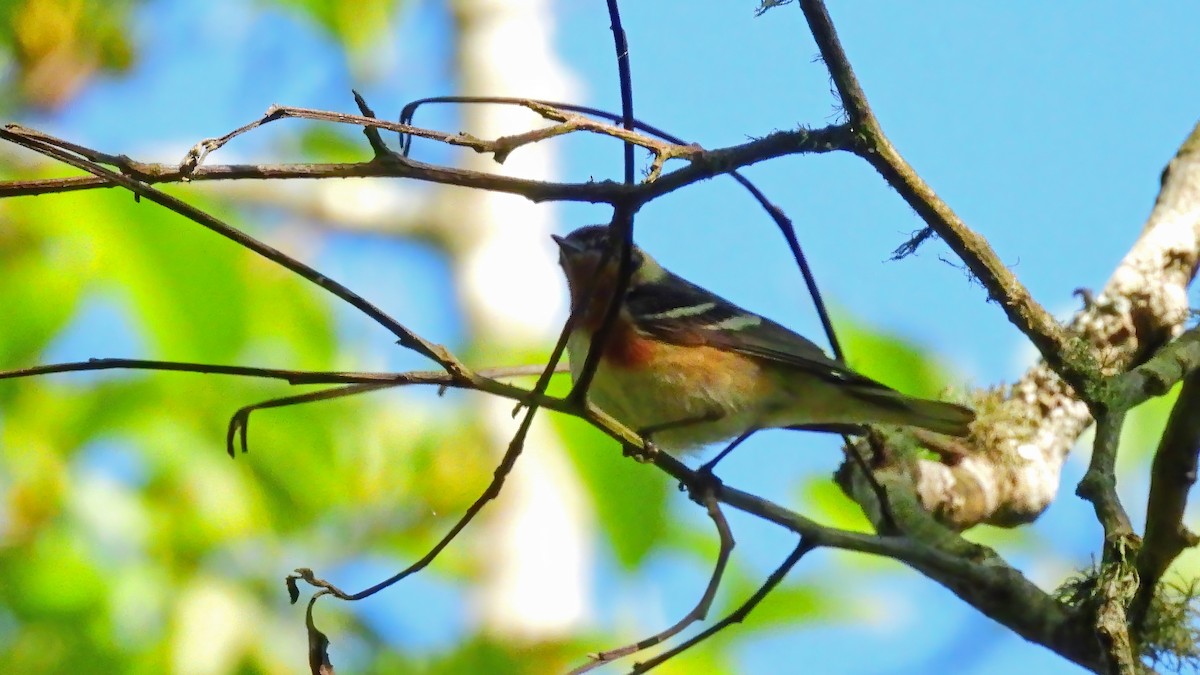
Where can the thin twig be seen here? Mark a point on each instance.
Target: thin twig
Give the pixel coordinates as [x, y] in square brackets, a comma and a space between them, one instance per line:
[702, 164]
[290, 376]
[239, 423]
[622, 222]
[382, 153]
[515, 446]
[736, 616]
[699, 612]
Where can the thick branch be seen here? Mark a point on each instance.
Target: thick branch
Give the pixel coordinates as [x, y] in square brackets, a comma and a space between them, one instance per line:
[1156, 376]
[975, 573]
[1025, 431]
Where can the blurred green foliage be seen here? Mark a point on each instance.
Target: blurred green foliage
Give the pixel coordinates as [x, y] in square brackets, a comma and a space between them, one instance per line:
[51, 48]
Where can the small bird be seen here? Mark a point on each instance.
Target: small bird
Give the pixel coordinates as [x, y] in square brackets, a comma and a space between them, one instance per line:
[685, 367]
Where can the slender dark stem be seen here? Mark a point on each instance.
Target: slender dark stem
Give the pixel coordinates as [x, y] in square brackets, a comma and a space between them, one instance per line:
[622, 223]
[493, 489]
[698, 613]
[290, 376]
[481, 379]
[736, 616]
[625, 76]
[381, 150]
[239, 424]
[887, 520]
[712, 463]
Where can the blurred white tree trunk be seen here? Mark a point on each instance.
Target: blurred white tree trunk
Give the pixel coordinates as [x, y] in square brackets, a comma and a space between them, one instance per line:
[538, 534]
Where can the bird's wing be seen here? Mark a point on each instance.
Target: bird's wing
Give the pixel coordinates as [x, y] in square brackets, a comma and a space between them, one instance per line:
[679, 312]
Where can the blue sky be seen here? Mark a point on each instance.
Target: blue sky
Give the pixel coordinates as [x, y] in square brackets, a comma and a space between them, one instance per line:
[1044, 125]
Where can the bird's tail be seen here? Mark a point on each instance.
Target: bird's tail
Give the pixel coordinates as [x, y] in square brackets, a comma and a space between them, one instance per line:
[897, 408]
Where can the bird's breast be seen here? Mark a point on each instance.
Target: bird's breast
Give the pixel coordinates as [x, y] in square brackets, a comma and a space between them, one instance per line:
[645, 383]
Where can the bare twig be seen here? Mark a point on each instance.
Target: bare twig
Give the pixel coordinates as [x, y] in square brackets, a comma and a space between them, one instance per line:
[290, 376]
[358, 382]
[382, 153]
[736, 616]
[699, 612]
[490, 492]
[702, 164]
[622, 222]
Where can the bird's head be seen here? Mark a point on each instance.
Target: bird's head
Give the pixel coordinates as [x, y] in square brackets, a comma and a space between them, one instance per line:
[581, 253]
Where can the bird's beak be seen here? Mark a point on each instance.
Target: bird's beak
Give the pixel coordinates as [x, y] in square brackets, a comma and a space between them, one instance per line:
[567, 246]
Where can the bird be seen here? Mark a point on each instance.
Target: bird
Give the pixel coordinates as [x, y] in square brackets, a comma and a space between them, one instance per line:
[686, 368]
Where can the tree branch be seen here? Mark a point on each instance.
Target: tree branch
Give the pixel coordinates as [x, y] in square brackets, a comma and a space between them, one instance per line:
[1171, 477]
[702, 164]
[1099, 484]
[1025, 431]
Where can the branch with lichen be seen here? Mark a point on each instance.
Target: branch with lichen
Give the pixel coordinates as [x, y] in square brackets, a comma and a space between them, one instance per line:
[1025, 431]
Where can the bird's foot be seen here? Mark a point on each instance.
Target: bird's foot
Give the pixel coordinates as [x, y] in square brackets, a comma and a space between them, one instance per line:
[644, 453]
